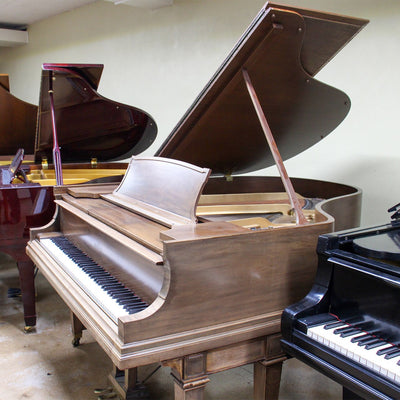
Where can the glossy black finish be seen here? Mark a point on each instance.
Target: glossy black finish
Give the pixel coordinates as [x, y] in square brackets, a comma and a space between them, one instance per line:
[351, 286]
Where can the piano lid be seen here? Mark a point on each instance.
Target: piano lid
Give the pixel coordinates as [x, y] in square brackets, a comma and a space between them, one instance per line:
[18, 121]
[282, 50]
[381, 246]
[88, 125]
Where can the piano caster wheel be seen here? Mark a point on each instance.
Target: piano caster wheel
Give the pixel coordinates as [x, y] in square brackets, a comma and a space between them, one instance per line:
[29, 329]
[76, 341]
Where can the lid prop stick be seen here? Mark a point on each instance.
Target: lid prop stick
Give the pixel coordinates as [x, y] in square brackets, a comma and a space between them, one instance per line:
[294, 201]
[56, 149]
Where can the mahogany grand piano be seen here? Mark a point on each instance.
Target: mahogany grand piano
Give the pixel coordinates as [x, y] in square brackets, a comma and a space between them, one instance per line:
[91, 131]
[193, 270]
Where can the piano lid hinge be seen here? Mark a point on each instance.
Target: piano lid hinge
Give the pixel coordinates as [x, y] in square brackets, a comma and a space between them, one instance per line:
[93, 162]
[45, 164]
[229, 177]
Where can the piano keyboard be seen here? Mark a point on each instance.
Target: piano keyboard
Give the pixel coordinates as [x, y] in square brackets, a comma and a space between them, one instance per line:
[109, 294]
[355, 342]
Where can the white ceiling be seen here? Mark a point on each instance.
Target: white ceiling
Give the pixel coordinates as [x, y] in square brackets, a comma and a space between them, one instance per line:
[26, 12]
[20, 13]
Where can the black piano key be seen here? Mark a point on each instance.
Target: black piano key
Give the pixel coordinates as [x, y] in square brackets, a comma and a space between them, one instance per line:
[392, 354]
[133, 306]
[361, 337]
[120, 292]
[116, 294]
[335, 324]
[127, 302]
[136, 308]
[366, 340]
[343, 330]
[378, 343]
[369, 342]
[386, 350]
[107, 281]
[109, 287]
[121, 297]
[351, 332]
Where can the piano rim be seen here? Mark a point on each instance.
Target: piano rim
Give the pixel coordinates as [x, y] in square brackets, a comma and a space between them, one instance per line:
[162, 348]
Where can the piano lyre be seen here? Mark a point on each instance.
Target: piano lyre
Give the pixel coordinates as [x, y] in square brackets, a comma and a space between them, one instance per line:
[92, 131]
[208, 263]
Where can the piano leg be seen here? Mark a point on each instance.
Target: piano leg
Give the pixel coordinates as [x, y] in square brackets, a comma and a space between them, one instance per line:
[190, 376]
[267, 377]
[26, 271]
[125, 384]
[77, 328]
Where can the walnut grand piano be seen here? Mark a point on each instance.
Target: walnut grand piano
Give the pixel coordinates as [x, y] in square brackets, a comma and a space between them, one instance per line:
[91, 130]
[191, 270]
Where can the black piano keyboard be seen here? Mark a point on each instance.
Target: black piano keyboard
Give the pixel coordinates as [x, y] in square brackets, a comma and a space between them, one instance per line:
[115, 289]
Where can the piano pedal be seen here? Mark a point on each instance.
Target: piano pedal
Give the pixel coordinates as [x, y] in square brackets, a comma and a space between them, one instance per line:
[13, 292]
[107, 393]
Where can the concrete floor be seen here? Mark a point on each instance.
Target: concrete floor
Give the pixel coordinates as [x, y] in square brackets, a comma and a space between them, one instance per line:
[44, 365]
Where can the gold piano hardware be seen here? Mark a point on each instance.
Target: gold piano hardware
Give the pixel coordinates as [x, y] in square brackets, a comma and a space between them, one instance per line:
[45, 164]
[46, 177]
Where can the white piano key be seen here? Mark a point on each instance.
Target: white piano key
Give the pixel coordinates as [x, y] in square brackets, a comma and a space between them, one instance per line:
[92, 289]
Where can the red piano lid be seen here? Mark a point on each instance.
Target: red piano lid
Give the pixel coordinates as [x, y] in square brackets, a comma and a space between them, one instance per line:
[282, 50]
[88, 125]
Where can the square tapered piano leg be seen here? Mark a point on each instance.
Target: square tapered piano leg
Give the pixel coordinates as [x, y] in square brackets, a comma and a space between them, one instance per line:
[267, 377]
[191, 373]
[125, 384]
[190, 377]
[27, 284]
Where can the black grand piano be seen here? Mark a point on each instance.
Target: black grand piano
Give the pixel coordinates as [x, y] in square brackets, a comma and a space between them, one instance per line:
[347, 327]
[92, 131]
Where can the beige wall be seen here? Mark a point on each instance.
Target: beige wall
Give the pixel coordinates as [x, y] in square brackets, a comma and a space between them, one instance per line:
[159, 60]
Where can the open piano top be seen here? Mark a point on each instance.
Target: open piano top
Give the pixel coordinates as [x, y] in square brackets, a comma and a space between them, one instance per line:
[91, 129]
[213, 259]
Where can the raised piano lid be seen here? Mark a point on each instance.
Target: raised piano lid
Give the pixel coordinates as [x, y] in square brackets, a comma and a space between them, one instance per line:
[18, 121]
[282, 50]
[88, 125]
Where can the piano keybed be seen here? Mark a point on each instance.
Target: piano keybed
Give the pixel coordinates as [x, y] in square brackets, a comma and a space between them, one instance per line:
[362, 342]
[111, 295]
